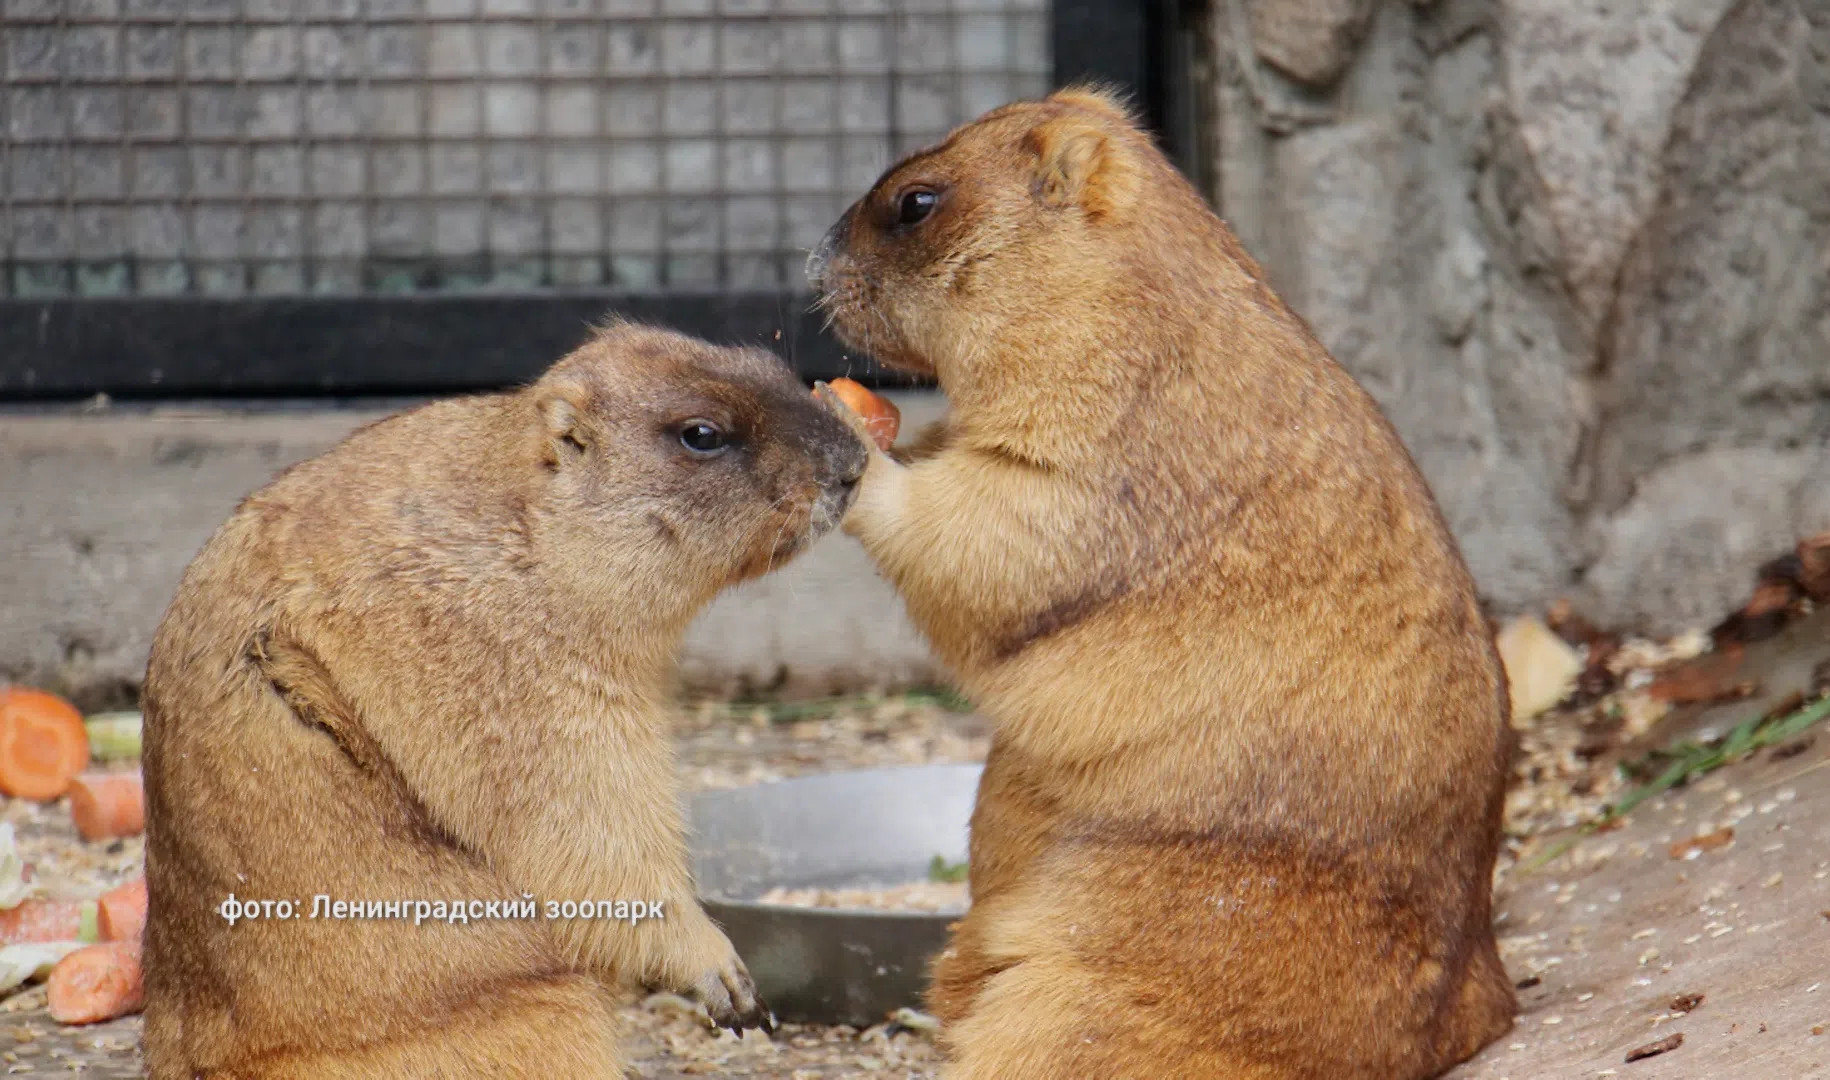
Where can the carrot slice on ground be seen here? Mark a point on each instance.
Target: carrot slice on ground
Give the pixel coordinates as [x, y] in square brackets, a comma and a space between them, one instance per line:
[107, 805]
[123, 911]
[97, 982]
[42, 920]
[42, 743]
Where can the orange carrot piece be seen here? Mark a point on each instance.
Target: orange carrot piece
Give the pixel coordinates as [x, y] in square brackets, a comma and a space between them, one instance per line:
[881, 416]
[96, 983]
[123, 912]
[43, 744]
[107, 805]
[41, 920]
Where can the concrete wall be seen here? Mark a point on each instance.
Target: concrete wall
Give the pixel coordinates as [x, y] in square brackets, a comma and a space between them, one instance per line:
[100, 513]
[1579, 251]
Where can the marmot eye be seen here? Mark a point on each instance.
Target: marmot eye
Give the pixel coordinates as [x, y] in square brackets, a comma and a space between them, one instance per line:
[915, 206]
[702, 437]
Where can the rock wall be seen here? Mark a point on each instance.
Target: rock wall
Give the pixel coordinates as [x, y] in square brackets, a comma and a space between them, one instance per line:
[1579, 250]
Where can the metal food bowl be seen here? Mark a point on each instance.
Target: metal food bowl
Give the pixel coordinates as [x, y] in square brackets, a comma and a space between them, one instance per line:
[872, 827]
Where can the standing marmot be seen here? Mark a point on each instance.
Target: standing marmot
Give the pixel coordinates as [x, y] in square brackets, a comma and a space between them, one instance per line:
[432, 667]
[1241, 810]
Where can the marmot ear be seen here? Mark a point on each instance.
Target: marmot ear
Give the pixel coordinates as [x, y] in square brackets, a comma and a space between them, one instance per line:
[1104, 100]
[562, 408]
[1079, 163]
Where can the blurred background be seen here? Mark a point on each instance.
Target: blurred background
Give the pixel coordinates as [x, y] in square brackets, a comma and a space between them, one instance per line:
[1580, 252]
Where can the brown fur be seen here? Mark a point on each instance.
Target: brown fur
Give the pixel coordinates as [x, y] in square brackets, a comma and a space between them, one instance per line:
[1242, 806]
[432, 665]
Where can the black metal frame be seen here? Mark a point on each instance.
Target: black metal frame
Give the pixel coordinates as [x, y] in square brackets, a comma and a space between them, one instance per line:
[414, 344]
[207, 347]
[1141, 47]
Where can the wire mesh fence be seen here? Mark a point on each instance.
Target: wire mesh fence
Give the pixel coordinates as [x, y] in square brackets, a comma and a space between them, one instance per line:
[276, 148]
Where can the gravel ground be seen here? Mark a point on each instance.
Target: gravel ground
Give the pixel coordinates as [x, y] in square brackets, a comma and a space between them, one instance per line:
[1592, 936]
[720, 745]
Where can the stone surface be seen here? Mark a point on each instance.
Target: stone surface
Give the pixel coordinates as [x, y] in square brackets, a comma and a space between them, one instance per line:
[1678, 550]
[1580, 253]
[100, 513]
[1309, 40]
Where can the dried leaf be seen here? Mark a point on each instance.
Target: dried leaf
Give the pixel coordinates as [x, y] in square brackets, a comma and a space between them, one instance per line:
[1653, 1049]
[1571, 626]
[1792, 749]
[1703, 681]
[1814, 566]
[1708, 841]
[1764, 615]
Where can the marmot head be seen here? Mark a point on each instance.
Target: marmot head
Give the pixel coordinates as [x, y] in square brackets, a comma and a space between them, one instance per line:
[699, 464]
[1012, 214]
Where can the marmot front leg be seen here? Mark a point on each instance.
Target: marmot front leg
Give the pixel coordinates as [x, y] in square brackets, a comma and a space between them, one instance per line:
[683, 950]
[690, 956]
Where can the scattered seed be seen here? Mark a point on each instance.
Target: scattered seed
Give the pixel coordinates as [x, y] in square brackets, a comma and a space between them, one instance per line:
[1683, 1003]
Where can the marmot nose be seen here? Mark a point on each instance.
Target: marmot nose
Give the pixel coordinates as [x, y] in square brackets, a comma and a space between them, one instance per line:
[851, 467]
[819, 260]
[816, 264]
